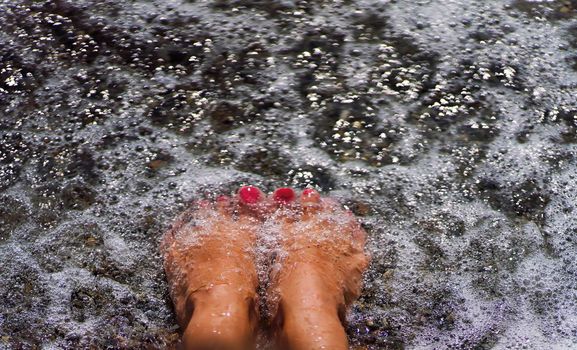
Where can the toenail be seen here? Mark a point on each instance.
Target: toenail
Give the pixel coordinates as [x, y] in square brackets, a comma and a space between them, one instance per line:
[284, 195]
[203, 203]
[309, 195]
[222, 198]
[249, 194]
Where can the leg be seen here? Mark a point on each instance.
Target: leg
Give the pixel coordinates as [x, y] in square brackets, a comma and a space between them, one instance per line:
[319, 274]
[210, 265]
[310, 319]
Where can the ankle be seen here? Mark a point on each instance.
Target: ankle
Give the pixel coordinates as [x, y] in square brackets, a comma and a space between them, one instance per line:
[311, 311]
[222, 318]
[312, 329]
[308, 326]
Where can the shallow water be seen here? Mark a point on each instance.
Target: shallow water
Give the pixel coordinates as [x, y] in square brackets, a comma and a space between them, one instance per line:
[450, 127]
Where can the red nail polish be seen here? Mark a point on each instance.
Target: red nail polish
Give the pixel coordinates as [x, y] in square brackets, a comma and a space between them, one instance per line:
[249, 194]
[310, 195]
[284, 195]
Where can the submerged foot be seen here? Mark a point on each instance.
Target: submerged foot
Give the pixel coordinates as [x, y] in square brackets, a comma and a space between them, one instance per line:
[318, 270]
[210, 266]
[210, 263]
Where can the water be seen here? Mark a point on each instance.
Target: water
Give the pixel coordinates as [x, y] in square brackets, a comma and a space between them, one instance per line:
[449, 127]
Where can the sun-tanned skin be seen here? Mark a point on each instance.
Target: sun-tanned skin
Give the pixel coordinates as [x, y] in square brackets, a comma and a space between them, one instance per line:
[319, 272]
[210, 265]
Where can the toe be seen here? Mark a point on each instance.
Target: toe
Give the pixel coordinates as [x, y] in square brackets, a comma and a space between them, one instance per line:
[310, 197]
[203, 204]
[224, 205]
[284, 201]
[310, 201]
[169, 237]
[284, 196]
[359, 235]
[252, 202]
[250, 195]
[202, 212]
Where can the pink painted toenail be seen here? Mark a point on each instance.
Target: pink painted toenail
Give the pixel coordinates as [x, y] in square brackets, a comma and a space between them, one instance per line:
[284, 195]
[249, 194]
[309, 195]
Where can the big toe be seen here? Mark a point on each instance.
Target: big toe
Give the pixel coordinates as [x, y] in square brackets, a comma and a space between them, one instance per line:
[252, 202]
[250, 195]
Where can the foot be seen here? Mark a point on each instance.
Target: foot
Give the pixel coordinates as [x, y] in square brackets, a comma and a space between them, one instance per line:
[318, 270]
[210, 266]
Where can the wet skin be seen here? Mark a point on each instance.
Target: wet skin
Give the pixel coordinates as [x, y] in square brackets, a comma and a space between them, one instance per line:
[315, 265]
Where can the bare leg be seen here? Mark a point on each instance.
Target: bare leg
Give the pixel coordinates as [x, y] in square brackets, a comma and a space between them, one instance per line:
[318, 274]
[210, 266]
[309, 312]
